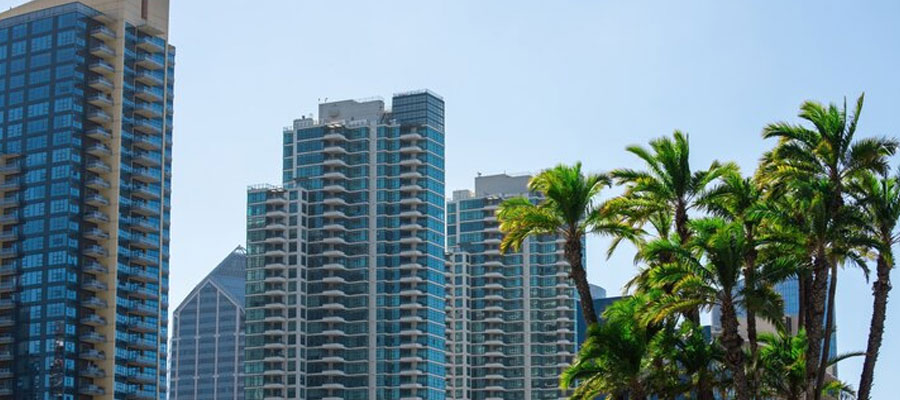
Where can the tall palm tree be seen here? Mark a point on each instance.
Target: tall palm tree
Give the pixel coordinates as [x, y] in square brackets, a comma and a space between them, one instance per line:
[706, 273]
[739, 200]
[817, 163]
[666, 190]
[612, 360]
[568, 207]
[881, 200]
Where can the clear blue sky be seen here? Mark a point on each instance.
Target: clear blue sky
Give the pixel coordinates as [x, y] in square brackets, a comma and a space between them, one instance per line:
[528, 84]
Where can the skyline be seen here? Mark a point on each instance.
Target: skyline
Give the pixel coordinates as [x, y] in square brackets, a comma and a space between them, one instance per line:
[673, 58]
[497, 95]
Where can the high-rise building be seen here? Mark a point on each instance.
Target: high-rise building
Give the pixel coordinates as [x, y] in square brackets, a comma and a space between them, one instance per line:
[275, 307]
[510, 317]
[207, 339]
[601, 302]
[86, 120]
[366, 308]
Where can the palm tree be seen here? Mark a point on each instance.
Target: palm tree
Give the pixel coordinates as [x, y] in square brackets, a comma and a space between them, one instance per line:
[612, 360]
[706, 273]
[782, 366]
[739, 200]
[668, 186]
[881, 201]
[666, 191]
[684, 360]
[567, 208]
[818, 163]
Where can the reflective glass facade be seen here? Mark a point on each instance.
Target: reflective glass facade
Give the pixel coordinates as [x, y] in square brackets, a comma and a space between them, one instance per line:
[511, 317]
[207, 339]
[85, 139]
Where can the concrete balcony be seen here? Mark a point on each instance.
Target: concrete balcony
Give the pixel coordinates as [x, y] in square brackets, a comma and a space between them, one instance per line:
[334, 175]
[100, 83]
[334, 137]
[91, 390]
[335, 150]
[99, 150]
[335, 162]
[334, 214]
[101, 50]
[103, 33]
[334, 280]
[411, 214]
[333, 319]
[411, 162]
[94, 303]
[150, 62]
[333, 254]
[96, 217]
[413, 149]
[102, 67]
[100, 100]
[95, 251]
[93, 285]
[411, 175]
[411, 266]
[276, 213]
[334, 227]
[335, 189]
[151, 44]
[411, 227]
[334, 240]
[96, 234]
[92, 372]
[93, 320]
[98, 133]
[93, 355]
[411, 136]
[97, 183]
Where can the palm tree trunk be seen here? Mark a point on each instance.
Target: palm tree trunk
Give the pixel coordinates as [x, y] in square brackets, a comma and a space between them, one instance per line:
[637, 392]
[752, 337]
[804, 282]
[574, 254]
[881, 289]
[734, 352]
[815, 314]
[829, 331]
[681, 228]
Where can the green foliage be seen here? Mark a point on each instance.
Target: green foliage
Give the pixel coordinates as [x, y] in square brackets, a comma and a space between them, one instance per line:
[716, 239]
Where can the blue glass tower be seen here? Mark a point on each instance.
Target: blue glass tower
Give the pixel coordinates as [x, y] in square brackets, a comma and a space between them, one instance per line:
[85, 114]
[370, 284]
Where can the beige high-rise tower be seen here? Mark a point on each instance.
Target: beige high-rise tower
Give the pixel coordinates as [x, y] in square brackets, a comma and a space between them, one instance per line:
[86, 91]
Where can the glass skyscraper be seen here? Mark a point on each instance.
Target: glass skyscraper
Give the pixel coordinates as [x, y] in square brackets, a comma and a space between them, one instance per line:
[207, 336]
[510, 317]
[369, 292]
[86, 92]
